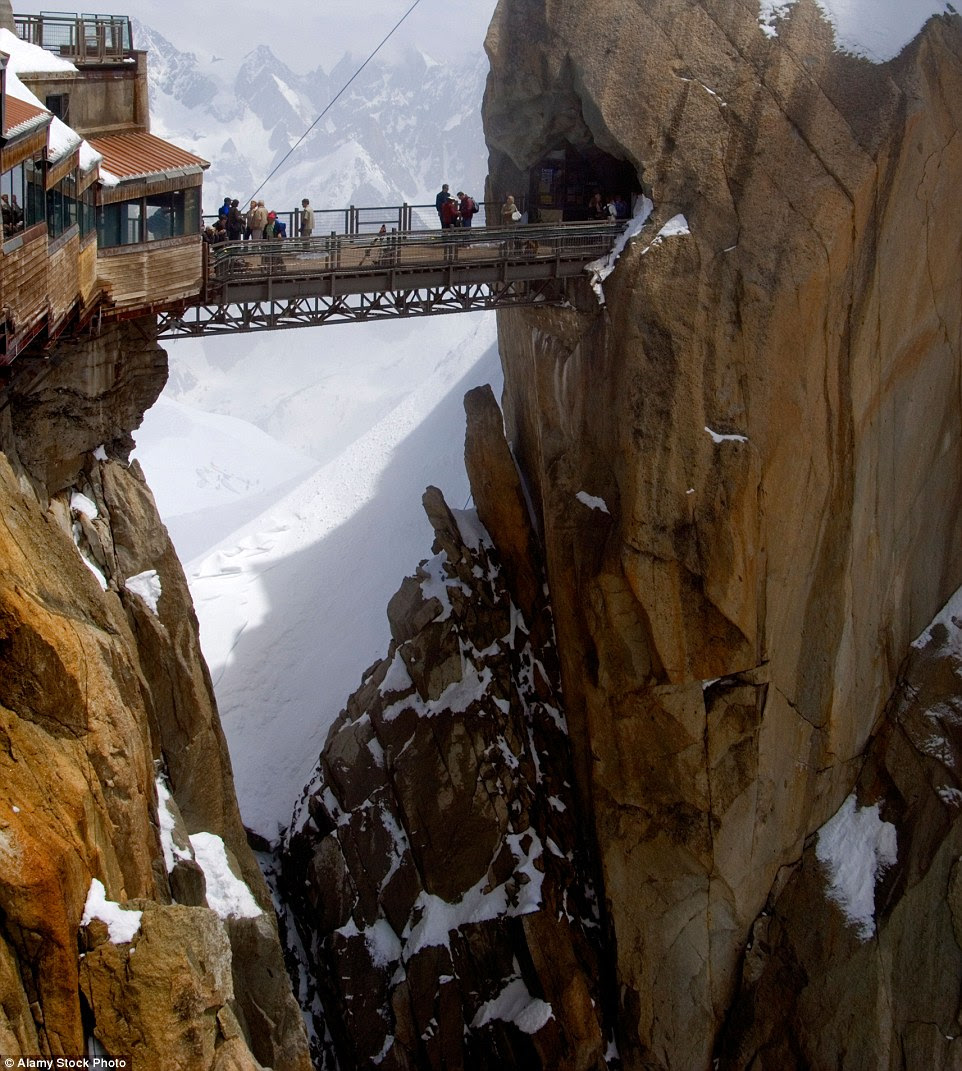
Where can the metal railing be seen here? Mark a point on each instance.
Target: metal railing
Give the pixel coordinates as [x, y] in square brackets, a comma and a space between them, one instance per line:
[368, 219]
[410, 251]
[79, 38]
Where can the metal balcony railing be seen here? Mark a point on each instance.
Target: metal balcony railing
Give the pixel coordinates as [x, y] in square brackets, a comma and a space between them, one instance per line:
[82, 39]
[412, 252]
[368, 219]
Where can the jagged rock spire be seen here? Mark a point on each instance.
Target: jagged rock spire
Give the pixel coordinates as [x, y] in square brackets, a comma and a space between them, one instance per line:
[6, 16]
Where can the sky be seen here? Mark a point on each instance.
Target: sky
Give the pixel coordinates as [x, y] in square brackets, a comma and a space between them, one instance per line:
[303, 33]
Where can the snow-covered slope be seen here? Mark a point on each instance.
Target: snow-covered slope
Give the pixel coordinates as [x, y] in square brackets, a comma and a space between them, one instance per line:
[295, 553]
[875, 29]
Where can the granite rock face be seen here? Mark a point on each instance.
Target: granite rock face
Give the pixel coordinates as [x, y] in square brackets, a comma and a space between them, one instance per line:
[767, 408]
[111, 752]
[435, 868]
[872, 915]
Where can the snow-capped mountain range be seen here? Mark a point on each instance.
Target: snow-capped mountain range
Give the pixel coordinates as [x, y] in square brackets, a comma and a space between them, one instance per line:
[378, 145]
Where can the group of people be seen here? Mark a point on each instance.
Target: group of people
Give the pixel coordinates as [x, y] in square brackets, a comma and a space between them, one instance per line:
[11, 213]
[615, 207]
[257, 222]
[455, 211]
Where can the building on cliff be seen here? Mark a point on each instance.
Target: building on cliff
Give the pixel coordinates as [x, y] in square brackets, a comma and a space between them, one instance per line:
[96, 209]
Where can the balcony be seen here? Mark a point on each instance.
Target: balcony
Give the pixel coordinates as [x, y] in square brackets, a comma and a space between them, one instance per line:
[86, 40]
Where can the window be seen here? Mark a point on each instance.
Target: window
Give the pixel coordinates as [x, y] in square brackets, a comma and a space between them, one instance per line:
[62, 206]
[36, 203]
[160, 216]
[86, 211]
[170, 215]
[119, 224]
[59, 104]
[151, 219]
[12, 199]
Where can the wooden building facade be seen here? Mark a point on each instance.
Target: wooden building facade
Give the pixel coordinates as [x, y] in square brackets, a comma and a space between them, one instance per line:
[109, 225]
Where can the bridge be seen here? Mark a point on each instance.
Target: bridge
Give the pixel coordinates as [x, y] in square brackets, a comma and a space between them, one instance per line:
[273, 284]
[105, 224]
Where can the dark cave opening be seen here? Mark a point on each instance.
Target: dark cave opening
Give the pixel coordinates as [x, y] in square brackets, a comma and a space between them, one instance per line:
[561, 185]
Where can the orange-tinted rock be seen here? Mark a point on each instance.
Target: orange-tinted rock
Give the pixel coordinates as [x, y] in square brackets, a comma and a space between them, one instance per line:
[98, 695]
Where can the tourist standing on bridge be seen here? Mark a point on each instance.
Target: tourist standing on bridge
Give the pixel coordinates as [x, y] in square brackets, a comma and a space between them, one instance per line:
[258, 220]
[468, 206]
[307, 219]
[509, 212]
[450, 214]
[441, 200]
[249, 222]
[235, 221]
[224, 211]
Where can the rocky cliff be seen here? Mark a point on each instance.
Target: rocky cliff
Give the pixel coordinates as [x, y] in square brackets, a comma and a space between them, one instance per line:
[743, 464]
[768, 404]
[435, 868]
[135, 920]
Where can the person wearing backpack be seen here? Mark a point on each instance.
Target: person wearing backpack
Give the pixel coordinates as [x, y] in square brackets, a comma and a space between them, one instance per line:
[468, 207]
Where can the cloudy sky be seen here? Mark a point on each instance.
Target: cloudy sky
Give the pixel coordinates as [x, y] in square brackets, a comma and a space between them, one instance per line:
[303, 33]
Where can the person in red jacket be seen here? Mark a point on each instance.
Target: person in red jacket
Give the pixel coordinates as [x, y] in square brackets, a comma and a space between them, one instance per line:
[450, 214]
[468, 207]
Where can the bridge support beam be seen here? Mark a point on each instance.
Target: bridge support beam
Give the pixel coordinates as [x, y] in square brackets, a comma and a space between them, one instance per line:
[273, 314]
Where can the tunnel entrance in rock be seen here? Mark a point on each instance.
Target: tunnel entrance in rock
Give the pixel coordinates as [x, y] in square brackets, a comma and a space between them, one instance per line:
[563, 182]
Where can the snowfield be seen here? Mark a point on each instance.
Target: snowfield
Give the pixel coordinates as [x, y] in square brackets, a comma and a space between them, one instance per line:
[294, 497]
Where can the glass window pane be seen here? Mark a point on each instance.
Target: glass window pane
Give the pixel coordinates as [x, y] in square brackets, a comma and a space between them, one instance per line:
[6, 208]
[54, 212]
[160, 217]
[108, 226]
[36, 204]
[69, 186]
[192, 211]
[132, 222]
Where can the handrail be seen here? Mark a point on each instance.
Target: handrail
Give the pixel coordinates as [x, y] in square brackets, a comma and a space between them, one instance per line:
[368, 219]
[80, 38]
[412, 251]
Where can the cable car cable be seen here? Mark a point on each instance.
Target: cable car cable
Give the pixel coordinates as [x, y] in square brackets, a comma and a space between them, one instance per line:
[334, 99]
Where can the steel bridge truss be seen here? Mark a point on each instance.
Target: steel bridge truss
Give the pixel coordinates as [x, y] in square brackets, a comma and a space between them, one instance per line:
[314, 311]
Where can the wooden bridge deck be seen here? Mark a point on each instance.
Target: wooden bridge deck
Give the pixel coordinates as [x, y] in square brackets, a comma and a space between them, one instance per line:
[276, 284]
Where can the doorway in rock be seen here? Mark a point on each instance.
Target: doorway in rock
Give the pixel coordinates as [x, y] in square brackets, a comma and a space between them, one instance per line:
[562, 184]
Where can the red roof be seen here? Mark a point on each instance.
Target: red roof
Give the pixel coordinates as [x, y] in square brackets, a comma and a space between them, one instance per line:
[140, 155]
[20, 116]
